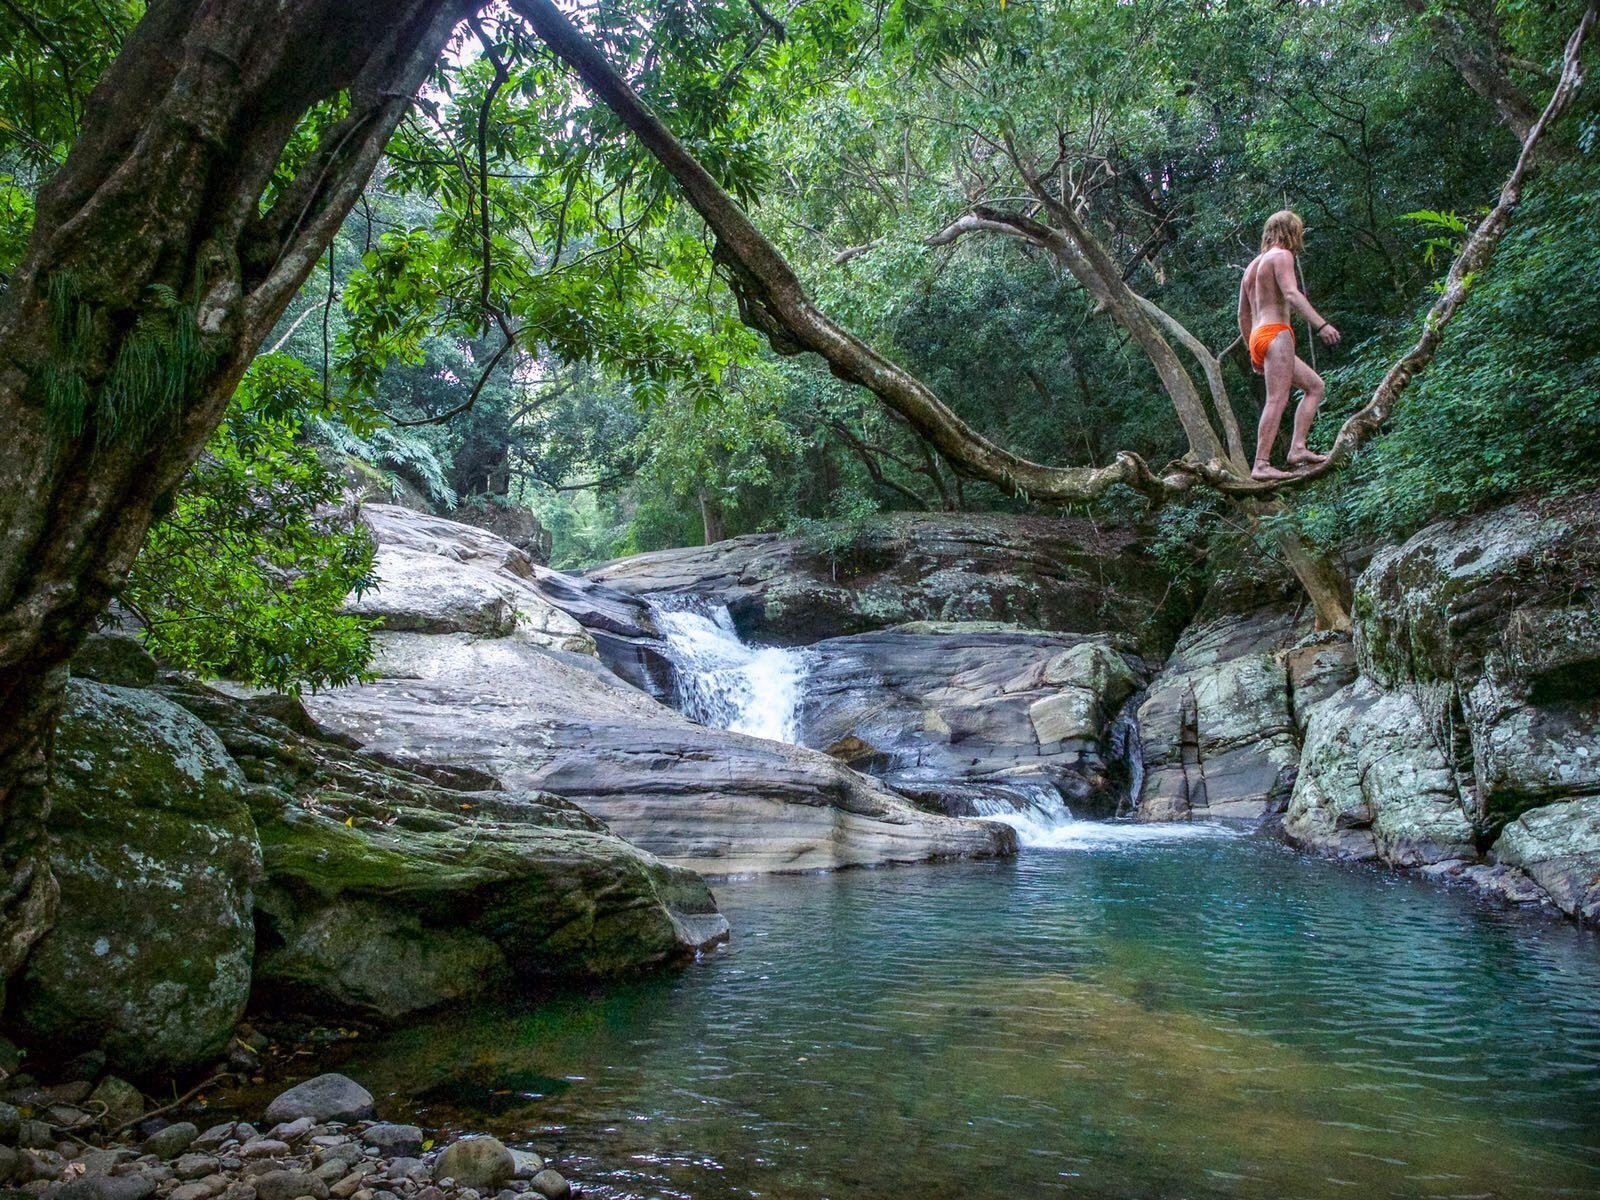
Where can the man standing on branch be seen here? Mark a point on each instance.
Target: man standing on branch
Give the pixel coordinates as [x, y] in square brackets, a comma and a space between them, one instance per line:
[1269, 291]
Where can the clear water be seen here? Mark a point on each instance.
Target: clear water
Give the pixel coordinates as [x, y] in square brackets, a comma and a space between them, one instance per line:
[1139, 1016]
[727, 684]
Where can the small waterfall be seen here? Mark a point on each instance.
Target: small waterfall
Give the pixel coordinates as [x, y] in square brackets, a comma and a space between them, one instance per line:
[1128, 748]
[727, 684]
[1034, 808]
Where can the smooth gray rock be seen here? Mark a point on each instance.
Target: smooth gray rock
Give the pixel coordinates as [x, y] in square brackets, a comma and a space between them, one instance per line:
[121, 1100]
[392, 1139]
[136, 1186]
[520, 710]
[551, 1184]
[528, 1164]
[1217, 726]
[170, 1141]
[955, 714]
[483, 1163]
[327, 1097]
[156, 855]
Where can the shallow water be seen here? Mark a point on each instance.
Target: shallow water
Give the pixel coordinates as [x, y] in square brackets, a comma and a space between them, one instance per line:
[1134, 1015]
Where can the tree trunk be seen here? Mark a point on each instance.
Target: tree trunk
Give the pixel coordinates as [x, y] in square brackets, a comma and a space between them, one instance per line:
[711, 518]
[151, 278]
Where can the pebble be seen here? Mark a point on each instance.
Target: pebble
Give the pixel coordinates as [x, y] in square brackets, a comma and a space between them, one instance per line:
[393, 1139]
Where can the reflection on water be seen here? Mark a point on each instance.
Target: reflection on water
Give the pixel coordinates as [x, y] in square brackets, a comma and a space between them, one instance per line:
[1200, 1018]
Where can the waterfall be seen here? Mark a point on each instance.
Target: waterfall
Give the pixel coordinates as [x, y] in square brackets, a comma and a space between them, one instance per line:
[1128, 748]
[1034, 808]
[727, 684]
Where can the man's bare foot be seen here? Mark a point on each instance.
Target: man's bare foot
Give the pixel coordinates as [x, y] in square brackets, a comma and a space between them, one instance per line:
[1267, 473]
[1306, 458]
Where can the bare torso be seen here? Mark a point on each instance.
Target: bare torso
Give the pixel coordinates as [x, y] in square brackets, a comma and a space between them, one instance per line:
[1268, 305]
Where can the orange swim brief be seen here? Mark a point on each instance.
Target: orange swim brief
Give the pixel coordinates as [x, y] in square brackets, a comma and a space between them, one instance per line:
[1260, 338]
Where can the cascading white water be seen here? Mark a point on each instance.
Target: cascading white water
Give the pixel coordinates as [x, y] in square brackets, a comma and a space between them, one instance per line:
[725, 683]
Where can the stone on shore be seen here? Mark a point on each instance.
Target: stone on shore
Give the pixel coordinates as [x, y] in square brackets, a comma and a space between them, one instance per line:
[482, 1163]
[328, 1097]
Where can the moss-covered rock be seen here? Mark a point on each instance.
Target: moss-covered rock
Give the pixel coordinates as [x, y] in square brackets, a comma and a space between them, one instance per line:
[388, 893]
[156, 856]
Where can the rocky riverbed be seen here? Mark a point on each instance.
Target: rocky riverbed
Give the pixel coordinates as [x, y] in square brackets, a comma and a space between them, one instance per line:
[86, 1139]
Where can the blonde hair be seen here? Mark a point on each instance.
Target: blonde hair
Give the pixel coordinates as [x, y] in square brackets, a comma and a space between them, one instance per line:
[1284, 228]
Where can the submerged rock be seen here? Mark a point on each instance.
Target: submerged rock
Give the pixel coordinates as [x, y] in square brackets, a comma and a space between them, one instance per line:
[157, 858]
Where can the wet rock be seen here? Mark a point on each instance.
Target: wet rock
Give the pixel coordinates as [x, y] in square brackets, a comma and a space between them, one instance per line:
[1557, 846]
[213, 1137]
[171, 1141]
[155, 854]
[292, 1131]
[1218, 732]
[121, 1100]
[195, 1166]
[482, 1163]
[10, 1164]
[527, 1163]
[328, 1097]
[957, 714]
[10, 1119]
[391, 1139]
[551, 1184]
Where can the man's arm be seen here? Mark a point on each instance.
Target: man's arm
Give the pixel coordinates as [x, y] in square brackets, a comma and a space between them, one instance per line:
[1245, 311]
[1283, 274]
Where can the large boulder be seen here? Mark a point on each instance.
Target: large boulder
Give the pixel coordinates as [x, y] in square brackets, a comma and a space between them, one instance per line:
[541, 720]
[1220, 725]
[1062, 574]
[388, 893]
[1499, 615]
[442, 576]
[1476, 720]
[156, 856]
[1374, 782]
[957, 714]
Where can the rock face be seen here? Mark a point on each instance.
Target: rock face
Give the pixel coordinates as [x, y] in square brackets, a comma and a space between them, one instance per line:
[540, 718]
[157, 859]
[959, 714]
[1476, 724]
[1220, 726]
[1046, 573]
[387, 893]
[442, 576]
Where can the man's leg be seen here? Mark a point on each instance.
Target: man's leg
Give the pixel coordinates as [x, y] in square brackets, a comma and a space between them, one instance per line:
[1279, 371]
[1310, 383]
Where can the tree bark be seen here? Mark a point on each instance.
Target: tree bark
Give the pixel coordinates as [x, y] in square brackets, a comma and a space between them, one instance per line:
[151, 249]
[711, 522]
[1480, 69]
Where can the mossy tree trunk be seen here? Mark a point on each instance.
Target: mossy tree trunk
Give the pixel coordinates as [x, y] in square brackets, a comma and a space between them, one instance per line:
[163, 253]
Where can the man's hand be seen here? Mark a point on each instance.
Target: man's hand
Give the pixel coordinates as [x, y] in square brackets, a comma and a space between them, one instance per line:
[1328, 334]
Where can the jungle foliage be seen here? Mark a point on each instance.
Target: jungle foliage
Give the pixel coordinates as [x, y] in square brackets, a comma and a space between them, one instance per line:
[520, 311]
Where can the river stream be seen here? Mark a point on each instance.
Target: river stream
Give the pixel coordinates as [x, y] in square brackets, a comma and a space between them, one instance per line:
[1172, 1012]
